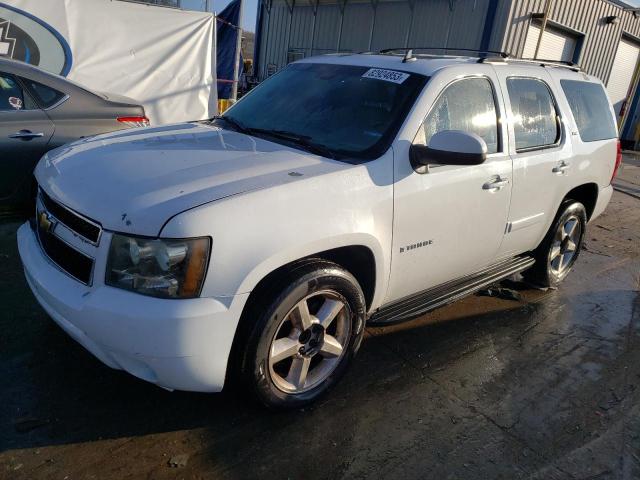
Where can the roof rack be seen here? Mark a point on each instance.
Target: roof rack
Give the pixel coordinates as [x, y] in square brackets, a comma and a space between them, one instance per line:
[552, 63]
[484, 56]
[409, 51]
[537, 61]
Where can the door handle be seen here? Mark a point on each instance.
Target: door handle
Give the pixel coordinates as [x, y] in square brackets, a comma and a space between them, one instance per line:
[561, 168]
[26, 135]
[496, 184]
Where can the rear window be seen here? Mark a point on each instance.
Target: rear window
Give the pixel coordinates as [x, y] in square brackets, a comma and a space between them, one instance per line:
[591, 110]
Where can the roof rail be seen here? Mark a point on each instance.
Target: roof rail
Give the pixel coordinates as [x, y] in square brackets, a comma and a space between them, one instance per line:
[484, 56]
[547, 63]
[479, 53]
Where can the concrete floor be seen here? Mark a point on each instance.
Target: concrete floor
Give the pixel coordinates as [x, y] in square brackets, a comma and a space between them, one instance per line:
[543, 388]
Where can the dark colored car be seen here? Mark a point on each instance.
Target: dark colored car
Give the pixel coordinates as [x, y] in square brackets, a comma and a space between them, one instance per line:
[40, 111]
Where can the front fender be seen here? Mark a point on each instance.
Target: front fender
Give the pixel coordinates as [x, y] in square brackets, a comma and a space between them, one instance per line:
[255, 233]
[296, 252]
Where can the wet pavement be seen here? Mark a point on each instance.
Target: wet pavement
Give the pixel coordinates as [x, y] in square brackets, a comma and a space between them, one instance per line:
[543, 388]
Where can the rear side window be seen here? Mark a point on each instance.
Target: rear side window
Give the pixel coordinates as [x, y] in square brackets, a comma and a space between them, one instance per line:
[466, 105]
[590, 109]
[45, 96]
[535, 120]
[12, 96]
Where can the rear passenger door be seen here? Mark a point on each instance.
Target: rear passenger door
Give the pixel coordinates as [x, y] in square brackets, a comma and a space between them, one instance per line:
[25, 131]
[540, 154]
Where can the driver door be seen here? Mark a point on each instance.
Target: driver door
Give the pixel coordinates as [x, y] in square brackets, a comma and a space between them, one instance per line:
[448, 222]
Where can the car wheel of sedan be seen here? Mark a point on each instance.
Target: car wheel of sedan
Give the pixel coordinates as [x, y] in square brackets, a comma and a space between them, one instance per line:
[304, 339]
[560, 248]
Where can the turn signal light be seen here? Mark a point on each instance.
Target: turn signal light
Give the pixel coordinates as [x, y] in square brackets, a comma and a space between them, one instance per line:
[140, 121]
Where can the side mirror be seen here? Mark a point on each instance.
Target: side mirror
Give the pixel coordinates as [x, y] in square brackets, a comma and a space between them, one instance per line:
[449, 147]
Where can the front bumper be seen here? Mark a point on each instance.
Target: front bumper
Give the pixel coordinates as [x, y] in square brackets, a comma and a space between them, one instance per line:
[176, 344]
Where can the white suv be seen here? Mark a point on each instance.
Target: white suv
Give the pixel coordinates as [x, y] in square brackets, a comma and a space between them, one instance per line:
[346, 189]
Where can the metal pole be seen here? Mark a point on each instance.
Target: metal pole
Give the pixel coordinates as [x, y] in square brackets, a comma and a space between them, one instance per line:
[236, 66]
[547, 8]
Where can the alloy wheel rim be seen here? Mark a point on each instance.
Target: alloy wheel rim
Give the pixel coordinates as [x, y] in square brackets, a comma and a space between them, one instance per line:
[565, 245]
[310, 342]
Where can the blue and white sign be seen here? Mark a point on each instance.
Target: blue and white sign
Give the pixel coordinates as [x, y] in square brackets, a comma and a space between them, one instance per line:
[163, 58]
[27, 38]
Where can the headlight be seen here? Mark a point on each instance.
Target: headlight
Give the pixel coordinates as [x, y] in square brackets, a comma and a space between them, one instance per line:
[165, 268]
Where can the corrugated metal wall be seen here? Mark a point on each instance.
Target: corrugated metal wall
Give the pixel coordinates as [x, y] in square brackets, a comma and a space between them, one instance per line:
[584, 16]
[291, 29]
[365, 25]
[362, 25]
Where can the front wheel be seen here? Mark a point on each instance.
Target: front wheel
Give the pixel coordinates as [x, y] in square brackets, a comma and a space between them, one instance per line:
[560, 248]
[305, 336]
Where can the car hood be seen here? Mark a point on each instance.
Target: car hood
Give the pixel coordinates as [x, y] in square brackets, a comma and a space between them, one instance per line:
[133, 181]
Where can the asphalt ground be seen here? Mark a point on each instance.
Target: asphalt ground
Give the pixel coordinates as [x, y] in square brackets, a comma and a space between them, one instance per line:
[545, 387]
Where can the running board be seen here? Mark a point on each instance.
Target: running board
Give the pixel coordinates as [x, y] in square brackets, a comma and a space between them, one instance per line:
[415, 305]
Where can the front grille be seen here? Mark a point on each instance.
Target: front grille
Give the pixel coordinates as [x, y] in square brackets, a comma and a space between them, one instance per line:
[80, 225]
[76, 264]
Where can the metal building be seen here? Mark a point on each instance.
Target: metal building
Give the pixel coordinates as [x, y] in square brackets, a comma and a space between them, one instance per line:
[602, 36]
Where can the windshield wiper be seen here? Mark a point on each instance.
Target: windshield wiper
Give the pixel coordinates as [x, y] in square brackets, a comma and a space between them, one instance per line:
[233, 122]
[303, 141]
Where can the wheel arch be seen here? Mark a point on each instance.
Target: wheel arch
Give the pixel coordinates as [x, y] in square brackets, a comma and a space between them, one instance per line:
[587, 194]
[357, 259]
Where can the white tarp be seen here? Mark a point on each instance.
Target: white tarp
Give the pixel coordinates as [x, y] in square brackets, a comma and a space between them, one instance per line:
[162, 57]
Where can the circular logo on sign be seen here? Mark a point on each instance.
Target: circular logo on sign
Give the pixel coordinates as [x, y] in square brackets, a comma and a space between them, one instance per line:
[27, 38]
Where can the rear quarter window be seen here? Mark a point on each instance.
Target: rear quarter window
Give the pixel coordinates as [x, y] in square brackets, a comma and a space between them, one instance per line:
[46, 96]
[590, 108]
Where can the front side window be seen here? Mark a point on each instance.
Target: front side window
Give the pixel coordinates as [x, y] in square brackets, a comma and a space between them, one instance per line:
[12, 96]
[466, 105]
[590, 109]
[349, 111]
[534, 116]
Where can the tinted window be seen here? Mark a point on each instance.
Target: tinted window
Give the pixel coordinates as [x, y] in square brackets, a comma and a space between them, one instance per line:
[591, 110]
[466, 105]
[535, 120]
[353, 111]
[45, 96]
[12, 97]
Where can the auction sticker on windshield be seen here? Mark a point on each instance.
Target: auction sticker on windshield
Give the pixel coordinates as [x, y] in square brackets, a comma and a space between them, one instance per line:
[386, 75]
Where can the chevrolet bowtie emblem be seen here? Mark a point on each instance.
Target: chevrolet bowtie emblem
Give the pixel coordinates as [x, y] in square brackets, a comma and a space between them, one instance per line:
[46, 222]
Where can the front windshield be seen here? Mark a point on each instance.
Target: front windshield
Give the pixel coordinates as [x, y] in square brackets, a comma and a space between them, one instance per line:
[345, 111]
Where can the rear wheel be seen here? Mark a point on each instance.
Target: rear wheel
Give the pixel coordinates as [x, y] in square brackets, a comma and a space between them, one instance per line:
[305, 336]
[561, 247]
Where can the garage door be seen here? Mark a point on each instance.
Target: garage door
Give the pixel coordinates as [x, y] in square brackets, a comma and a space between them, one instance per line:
[624, 66]
[555, 45]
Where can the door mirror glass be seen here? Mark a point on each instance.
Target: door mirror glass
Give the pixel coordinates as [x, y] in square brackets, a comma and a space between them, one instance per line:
[450, 147]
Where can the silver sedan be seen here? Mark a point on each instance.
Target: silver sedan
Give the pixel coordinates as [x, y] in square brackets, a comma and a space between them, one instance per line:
[40, 111]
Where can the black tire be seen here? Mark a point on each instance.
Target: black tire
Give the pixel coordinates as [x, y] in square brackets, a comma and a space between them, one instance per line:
[543, 273]
[264, 318]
